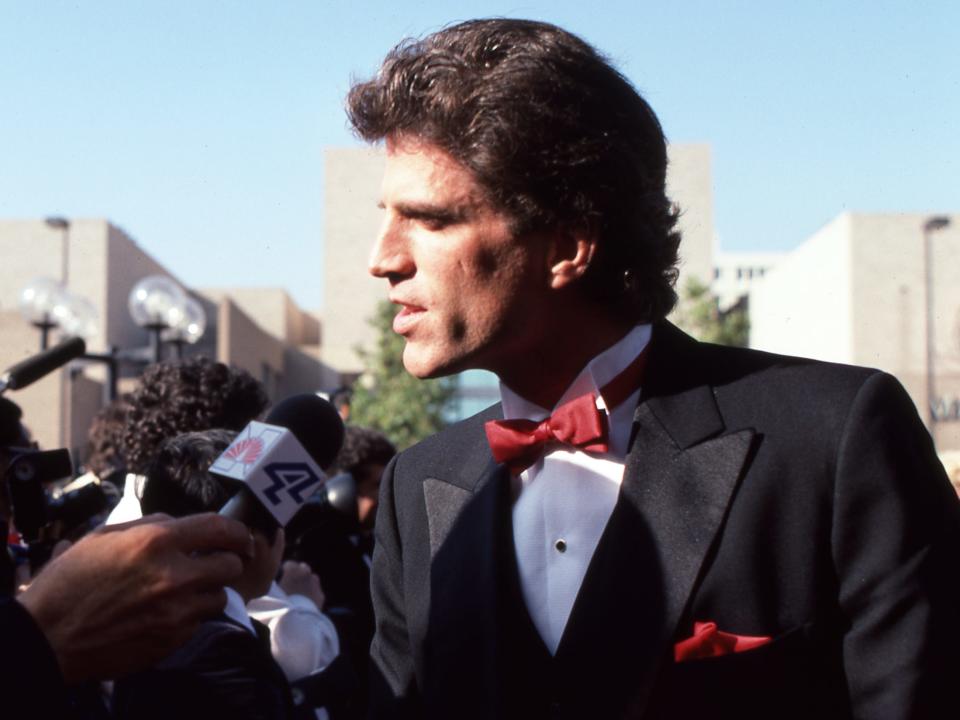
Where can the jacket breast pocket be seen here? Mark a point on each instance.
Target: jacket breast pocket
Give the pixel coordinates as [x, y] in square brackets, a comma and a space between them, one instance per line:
[792, 676]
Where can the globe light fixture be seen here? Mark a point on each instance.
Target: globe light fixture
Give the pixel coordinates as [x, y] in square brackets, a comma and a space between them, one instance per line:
[39, 299]
[40, 302]
[188, 323]
[156, 302]
[77, 316]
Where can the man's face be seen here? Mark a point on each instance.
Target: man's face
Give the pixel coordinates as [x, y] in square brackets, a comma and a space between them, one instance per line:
[469, 290]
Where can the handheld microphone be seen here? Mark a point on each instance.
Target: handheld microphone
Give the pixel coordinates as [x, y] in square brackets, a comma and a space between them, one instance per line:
[35, 367]
[280, 461]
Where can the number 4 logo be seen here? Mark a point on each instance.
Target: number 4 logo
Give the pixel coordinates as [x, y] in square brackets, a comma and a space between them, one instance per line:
[295, 478]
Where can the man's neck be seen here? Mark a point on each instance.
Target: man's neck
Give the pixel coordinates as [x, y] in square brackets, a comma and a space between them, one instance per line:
[544, 375]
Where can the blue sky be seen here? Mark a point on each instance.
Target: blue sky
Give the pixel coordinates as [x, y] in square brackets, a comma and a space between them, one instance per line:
[199, 126]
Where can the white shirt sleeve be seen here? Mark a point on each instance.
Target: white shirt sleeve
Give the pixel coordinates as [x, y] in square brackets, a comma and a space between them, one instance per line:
[302, 638]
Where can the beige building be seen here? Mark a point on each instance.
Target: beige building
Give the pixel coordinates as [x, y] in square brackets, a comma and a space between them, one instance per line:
[353, 219]
[260, 330]
[856, 292]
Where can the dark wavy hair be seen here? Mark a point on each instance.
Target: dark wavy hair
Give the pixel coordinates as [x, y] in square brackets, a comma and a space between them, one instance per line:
[555, 136]
[179, 482]
[187, 396]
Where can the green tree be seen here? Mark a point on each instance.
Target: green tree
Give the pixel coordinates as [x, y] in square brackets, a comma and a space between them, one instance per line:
[699, 314]
[391, 400]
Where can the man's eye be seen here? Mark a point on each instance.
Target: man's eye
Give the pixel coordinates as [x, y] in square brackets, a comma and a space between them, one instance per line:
[435, 223]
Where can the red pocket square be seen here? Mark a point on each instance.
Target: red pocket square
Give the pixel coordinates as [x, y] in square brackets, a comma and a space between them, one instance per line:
[707, 642]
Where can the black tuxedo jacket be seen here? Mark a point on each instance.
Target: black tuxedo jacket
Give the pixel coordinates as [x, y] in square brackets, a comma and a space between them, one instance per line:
[774, 496]
[223, 671]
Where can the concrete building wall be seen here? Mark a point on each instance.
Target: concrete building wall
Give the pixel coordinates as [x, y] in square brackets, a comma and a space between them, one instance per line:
[803, 306]
[856, 292]
[101, 263]
[305, 372]
[242, 342]
[890, 301]
[28, 249]
[690, 187]
[126, 264]
[352, 221]
[274, 311]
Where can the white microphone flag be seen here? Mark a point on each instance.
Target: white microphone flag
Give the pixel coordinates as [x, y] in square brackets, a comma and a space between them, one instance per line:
[274, 465]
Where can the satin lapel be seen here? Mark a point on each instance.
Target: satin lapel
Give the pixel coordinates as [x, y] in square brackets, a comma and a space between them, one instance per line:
[679, 479]
[444, 503]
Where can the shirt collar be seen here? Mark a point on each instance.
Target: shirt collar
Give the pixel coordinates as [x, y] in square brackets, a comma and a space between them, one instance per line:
[599, 371]
[236, 609]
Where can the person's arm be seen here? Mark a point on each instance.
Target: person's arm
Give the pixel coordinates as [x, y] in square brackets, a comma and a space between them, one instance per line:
[896, 547]
[393, 685]
[303, 640]
[31, 684]
[124, 597]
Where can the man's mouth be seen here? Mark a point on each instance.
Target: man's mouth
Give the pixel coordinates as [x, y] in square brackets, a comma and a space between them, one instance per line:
[408, 316]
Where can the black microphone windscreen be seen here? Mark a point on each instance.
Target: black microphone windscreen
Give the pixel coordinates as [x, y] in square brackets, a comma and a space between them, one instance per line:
[314, 422]
[35, 367]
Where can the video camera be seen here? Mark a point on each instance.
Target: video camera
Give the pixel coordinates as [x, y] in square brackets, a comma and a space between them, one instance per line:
[44, 517]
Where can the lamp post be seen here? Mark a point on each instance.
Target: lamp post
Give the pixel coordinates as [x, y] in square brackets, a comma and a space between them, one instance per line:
[930, 226]
[156, 303]
[62, 224]
[39, 301]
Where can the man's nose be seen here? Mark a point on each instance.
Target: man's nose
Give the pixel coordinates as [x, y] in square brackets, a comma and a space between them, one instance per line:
[390, 256]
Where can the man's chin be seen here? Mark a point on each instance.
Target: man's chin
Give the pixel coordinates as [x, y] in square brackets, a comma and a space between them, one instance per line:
[427, 368]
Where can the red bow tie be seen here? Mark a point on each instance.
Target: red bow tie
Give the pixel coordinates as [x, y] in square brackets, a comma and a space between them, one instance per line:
[578, 423]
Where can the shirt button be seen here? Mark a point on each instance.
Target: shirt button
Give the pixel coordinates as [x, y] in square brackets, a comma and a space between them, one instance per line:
[561, 545]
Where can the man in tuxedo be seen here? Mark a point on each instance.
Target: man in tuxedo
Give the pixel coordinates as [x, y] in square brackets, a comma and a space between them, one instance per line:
[645, 526]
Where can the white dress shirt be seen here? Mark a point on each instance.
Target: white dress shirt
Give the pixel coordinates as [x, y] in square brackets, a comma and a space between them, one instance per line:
[303, 640]
[563, 502]
[236, 610]
[129, 506]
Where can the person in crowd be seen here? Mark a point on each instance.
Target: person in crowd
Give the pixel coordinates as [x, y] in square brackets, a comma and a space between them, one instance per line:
[338, 548]
[179, 397]
[645, 526]
[341, 399]
[12, 435]
[116, 601]
[364, 455]
[226, 668]
[303, 641]
[105, 454]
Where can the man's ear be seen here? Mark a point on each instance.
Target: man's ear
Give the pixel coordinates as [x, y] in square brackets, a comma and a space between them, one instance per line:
[570, 254]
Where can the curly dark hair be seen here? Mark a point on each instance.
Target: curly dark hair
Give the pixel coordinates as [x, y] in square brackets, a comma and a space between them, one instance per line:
[555, 136]
[179, 482]
[362, 446]
[187, 396]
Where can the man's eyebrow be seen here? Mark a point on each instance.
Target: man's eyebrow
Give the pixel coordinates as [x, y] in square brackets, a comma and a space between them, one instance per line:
[449, 212]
